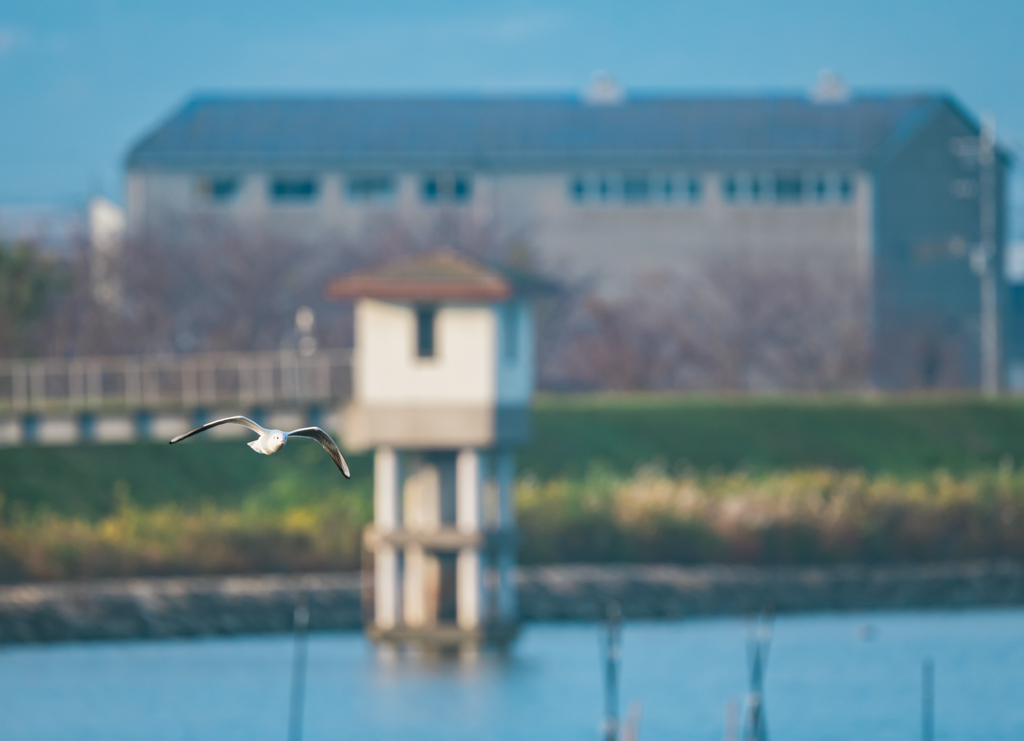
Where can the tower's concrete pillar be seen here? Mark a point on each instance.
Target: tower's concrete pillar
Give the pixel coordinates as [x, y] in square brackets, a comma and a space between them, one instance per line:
[386, 480]
[414, 576]
[468, 520]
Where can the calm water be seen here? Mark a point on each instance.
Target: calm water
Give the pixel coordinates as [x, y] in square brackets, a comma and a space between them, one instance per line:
[824, 682]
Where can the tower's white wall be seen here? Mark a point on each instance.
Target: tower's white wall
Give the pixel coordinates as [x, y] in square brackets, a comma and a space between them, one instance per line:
[389, 373]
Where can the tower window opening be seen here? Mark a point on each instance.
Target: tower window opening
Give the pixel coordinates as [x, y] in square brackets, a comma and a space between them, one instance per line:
[426, 318]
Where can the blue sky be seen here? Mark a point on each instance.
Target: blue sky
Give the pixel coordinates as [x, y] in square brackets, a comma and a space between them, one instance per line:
[80, 80]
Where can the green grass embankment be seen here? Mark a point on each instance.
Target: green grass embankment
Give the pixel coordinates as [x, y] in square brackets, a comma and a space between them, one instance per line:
[906, 436]
[90, 481]
[572, 435]
[606, 478]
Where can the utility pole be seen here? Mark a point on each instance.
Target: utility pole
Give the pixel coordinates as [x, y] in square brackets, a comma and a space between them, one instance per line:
[990, 351]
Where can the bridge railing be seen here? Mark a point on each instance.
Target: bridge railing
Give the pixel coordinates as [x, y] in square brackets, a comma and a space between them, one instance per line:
[158, 382]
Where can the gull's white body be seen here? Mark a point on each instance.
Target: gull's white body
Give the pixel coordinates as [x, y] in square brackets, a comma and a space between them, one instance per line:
[271, 441]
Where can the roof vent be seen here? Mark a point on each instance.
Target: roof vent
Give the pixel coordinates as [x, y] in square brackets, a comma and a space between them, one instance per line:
[830, 88]
[604, 90]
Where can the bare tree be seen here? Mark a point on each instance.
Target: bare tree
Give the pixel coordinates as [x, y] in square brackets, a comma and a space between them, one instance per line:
[204, 284]
[733, 323]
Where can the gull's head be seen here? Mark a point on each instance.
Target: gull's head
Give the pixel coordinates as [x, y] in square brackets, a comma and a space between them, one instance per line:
[276, 440]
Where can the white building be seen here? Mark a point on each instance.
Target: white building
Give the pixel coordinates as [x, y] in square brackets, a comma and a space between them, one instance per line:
[443, 377]
[617, 188]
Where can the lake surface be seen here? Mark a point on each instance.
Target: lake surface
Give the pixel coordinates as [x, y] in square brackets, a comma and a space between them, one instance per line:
[824, 681]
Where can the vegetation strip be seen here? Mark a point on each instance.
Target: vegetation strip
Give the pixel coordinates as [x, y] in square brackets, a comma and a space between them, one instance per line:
[813, 516]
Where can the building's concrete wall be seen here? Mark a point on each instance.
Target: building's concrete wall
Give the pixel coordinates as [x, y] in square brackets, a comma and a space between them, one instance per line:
[614, 241]
[903, 237]
[618, 242]
[926, 299]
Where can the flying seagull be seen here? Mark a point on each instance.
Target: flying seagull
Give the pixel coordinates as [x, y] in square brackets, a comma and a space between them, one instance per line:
[271, 441]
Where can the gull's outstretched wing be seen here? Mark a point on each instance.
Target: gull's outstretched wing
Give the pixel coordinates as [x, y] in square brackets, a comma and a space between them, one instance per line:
[244, 421]
[315, 433]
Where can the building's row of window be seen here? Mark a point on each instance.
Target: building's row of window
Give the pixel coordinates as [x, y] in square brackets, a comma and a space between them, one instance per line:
[455, 188]
[787, 187]
[749, 187]
[368, 188]
[635, 188]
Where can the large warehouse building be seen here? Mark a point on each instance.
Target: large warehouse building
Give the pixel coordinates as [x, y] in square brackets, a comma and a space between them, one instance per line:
[886, 189]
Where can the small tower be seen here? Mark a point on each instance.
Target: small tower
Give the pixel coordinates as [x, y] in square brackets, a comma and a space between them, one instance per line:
[443, 373]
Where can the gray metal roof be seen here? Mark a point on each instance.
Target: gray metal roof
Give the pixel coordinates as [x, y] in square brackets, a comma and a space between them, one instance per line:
[531, 133]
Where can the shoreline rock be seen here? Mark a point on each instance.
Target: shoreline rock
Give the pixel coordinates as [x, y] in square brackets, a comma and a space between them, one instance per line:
[204, 606]
[671, 592]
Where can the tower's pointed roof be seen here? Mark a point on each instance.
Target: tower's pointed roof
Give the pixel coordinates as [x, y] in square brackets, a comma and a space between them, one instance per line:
[438, 275]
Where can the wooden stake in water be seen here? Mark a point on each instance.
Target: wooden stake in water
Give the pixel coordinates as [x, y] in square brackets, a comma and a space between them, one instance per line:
[295, 710]
[928, 700]
[757, 651]
[612, 649]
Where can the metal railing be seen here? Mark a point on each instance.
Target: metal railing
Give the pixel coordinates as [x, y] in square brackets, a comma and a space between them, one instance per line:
[243, 380]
